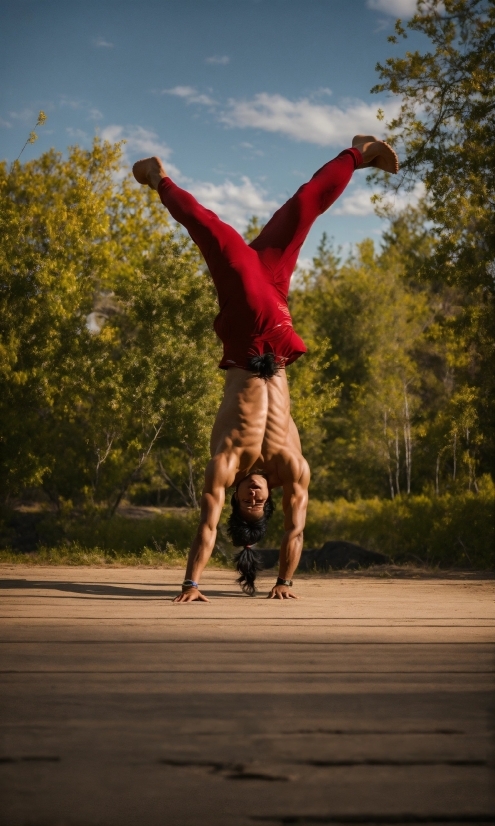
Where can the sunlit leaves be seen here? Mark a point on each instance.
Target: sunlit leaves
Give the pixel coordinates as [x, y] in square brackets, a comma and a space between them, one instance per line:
[79, 410]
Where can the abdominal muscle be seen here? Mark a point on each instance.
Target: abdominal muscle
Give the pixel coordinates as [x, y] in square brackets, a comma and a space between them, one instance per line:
[254, 428]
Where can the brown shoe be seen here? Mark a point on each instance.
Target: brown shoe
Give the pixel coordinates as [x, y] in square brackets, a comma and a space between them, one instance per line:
[376, 153]
[149, 172]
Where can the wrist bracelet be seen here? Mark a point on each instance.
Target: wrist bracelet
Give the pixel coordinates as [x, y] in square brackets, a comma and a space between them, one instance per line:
[189, 583]
[286, 582]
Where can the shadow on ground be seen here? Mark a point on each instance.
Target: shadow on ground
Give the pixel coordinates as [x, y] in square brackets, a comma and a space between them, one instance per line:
[93, 589]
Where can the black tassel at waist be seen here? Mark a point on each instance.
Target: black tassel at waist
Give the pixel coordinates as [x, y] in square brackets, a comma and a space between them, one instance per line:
[264, 366]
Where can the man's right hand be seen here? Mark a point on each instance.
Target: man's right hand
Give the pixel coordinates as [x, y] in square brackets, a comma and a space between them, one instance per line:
[190, 595]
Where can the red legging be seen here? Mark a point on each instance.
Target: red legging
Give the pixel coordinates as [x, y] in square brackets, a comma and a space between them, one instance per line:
[252, 280]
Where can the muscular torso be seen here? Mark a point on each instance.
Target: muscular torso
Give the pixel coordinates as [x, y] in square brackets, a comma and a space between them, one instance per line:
[254, 429]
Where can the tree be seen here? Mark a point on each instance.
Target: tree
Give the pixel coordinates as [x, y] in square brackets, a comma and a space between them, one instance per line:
[402, 417]
[445, 134]
[445, 129]
[106, 342]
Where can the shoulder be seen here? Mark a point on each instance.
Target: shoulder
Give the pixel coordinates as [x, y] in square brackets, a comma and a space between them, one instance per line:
[293, 471]
[220, 472]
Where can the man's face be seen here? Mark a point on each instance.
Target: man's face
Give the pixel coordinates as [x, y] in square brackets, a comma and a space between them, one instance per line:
[252, 494]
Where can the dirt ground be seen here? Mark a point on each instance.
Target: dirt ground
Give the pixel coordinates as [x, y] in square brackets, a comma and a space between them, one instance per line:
[369, 700]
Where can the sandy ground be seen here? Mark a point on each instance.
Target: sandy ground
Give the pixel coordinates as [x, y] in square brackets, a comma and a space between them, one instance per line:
[367, 701]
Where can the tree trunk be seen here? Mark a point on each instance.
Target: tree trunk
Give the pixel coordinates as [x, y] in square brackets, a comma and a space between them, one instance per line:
[407, 440]
[455, 456]
[397, 461]
[135, 473]
[389, 466]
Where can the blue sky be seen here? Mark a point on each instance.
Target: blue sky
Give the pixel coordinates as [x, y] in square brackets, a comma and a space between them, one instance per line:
[243, 99]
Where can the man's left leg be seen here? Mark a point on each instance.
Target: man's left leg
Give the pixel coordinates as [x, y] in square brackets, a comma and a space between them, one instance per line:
[280, 241]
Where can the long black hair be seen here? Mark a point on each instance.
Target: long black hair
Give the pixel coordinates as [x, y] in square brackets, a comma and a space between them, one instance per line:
[264, 366]
[248, 533]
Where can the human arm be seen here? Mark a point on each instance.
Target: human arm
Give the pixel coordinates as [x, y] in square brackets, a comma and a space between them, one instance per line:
[212, 501]
[295, 503]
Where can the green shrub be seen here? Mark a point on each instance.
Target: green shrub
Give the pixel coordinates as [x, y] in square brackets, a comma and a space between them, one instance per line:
[27, 531]
[455, 530]
[75, 554]
[451, 530]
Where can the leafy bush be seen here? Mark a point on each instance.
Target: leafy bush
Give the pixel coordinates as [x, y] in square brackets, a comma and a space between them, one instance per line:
[28, 531]
[75, 554]
[450, 530]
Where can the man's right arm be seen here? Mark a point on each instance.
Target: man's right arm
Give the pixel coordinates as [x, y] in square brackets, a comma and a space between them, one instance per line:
[212, 502]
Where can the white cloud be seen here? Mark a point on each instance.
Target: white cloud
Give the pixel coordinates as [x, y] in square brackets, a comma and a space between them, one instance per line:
[302, 120]
[398, 8]
[78, 134]
[401, 200]
[323, 91]
[81, 104]
[140, 142]
[355, 203]
[383, 24]
[5, 123]
[25, 115]
[358, 201]
[304, 263]
[252, 150]
[101, 43]
[218, 60]
[190, 95]
[234, 203]
[72, 103]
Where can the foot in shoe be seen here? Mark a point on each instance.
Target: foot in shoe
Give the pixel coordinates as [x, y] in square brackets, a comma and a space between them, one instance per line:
[149, 172]
[360, 139]
[376, 153]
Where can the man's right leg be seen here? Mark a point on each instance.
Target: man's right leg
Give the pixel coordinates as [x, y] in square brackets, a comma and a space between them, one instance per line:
[220, 244]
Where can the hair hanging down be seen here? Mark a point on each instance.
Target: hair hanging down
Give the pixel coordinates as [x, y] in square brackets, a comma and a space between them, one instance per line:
[247, 563]
[264, 366]
[246, 533]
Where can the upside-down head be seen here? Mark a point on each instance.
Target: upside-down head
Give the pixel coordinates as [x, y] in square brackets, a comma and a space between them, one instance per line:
[252, 507]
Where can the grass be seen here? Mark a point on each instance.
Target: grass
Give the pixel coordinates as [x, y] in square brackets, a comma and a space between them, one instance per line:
[76, 554]
[452, 531]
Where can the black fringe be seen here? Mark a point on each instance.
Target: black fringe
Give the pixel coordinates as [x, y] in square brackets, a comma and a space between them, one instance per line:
[264, 366]
[248, 563]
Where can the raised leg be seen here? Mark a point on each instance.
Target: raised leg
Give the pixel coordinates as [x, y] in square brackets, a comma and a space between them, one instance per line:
[220, 244]
[278, 244]
[280, 241]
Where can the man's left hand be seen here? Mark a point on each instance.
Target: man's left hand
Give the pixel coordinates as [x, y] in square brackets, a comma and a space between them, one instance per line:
[281, 592]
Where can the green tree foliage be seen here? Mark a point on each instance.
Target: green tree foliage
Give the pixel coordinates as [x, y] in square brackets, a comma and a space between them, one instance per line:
[402, 418]
[108, 357]
[445, 134]
[107, 354]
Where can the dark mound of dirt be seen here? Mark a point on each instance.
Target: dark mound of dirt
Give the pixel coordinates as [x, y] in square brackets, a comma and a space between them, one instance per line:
[335, 555]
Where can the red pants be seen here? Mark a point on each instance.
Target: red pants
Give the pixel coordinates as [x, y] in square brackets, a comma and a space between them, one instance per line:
[252, 280]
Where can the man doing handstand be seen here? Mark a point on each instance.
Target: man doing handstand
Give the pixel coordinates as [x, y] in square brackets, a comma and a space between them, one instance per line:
[254, 445]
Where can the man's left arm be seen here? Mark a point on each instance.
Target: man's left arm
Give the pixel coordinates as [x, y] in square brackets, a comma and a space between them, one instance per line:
[295, 504]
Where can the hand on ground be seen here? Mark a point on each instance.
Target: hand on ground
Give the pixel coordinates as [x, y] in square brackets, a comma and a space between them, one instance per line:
[281, 592]
[190, 595]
